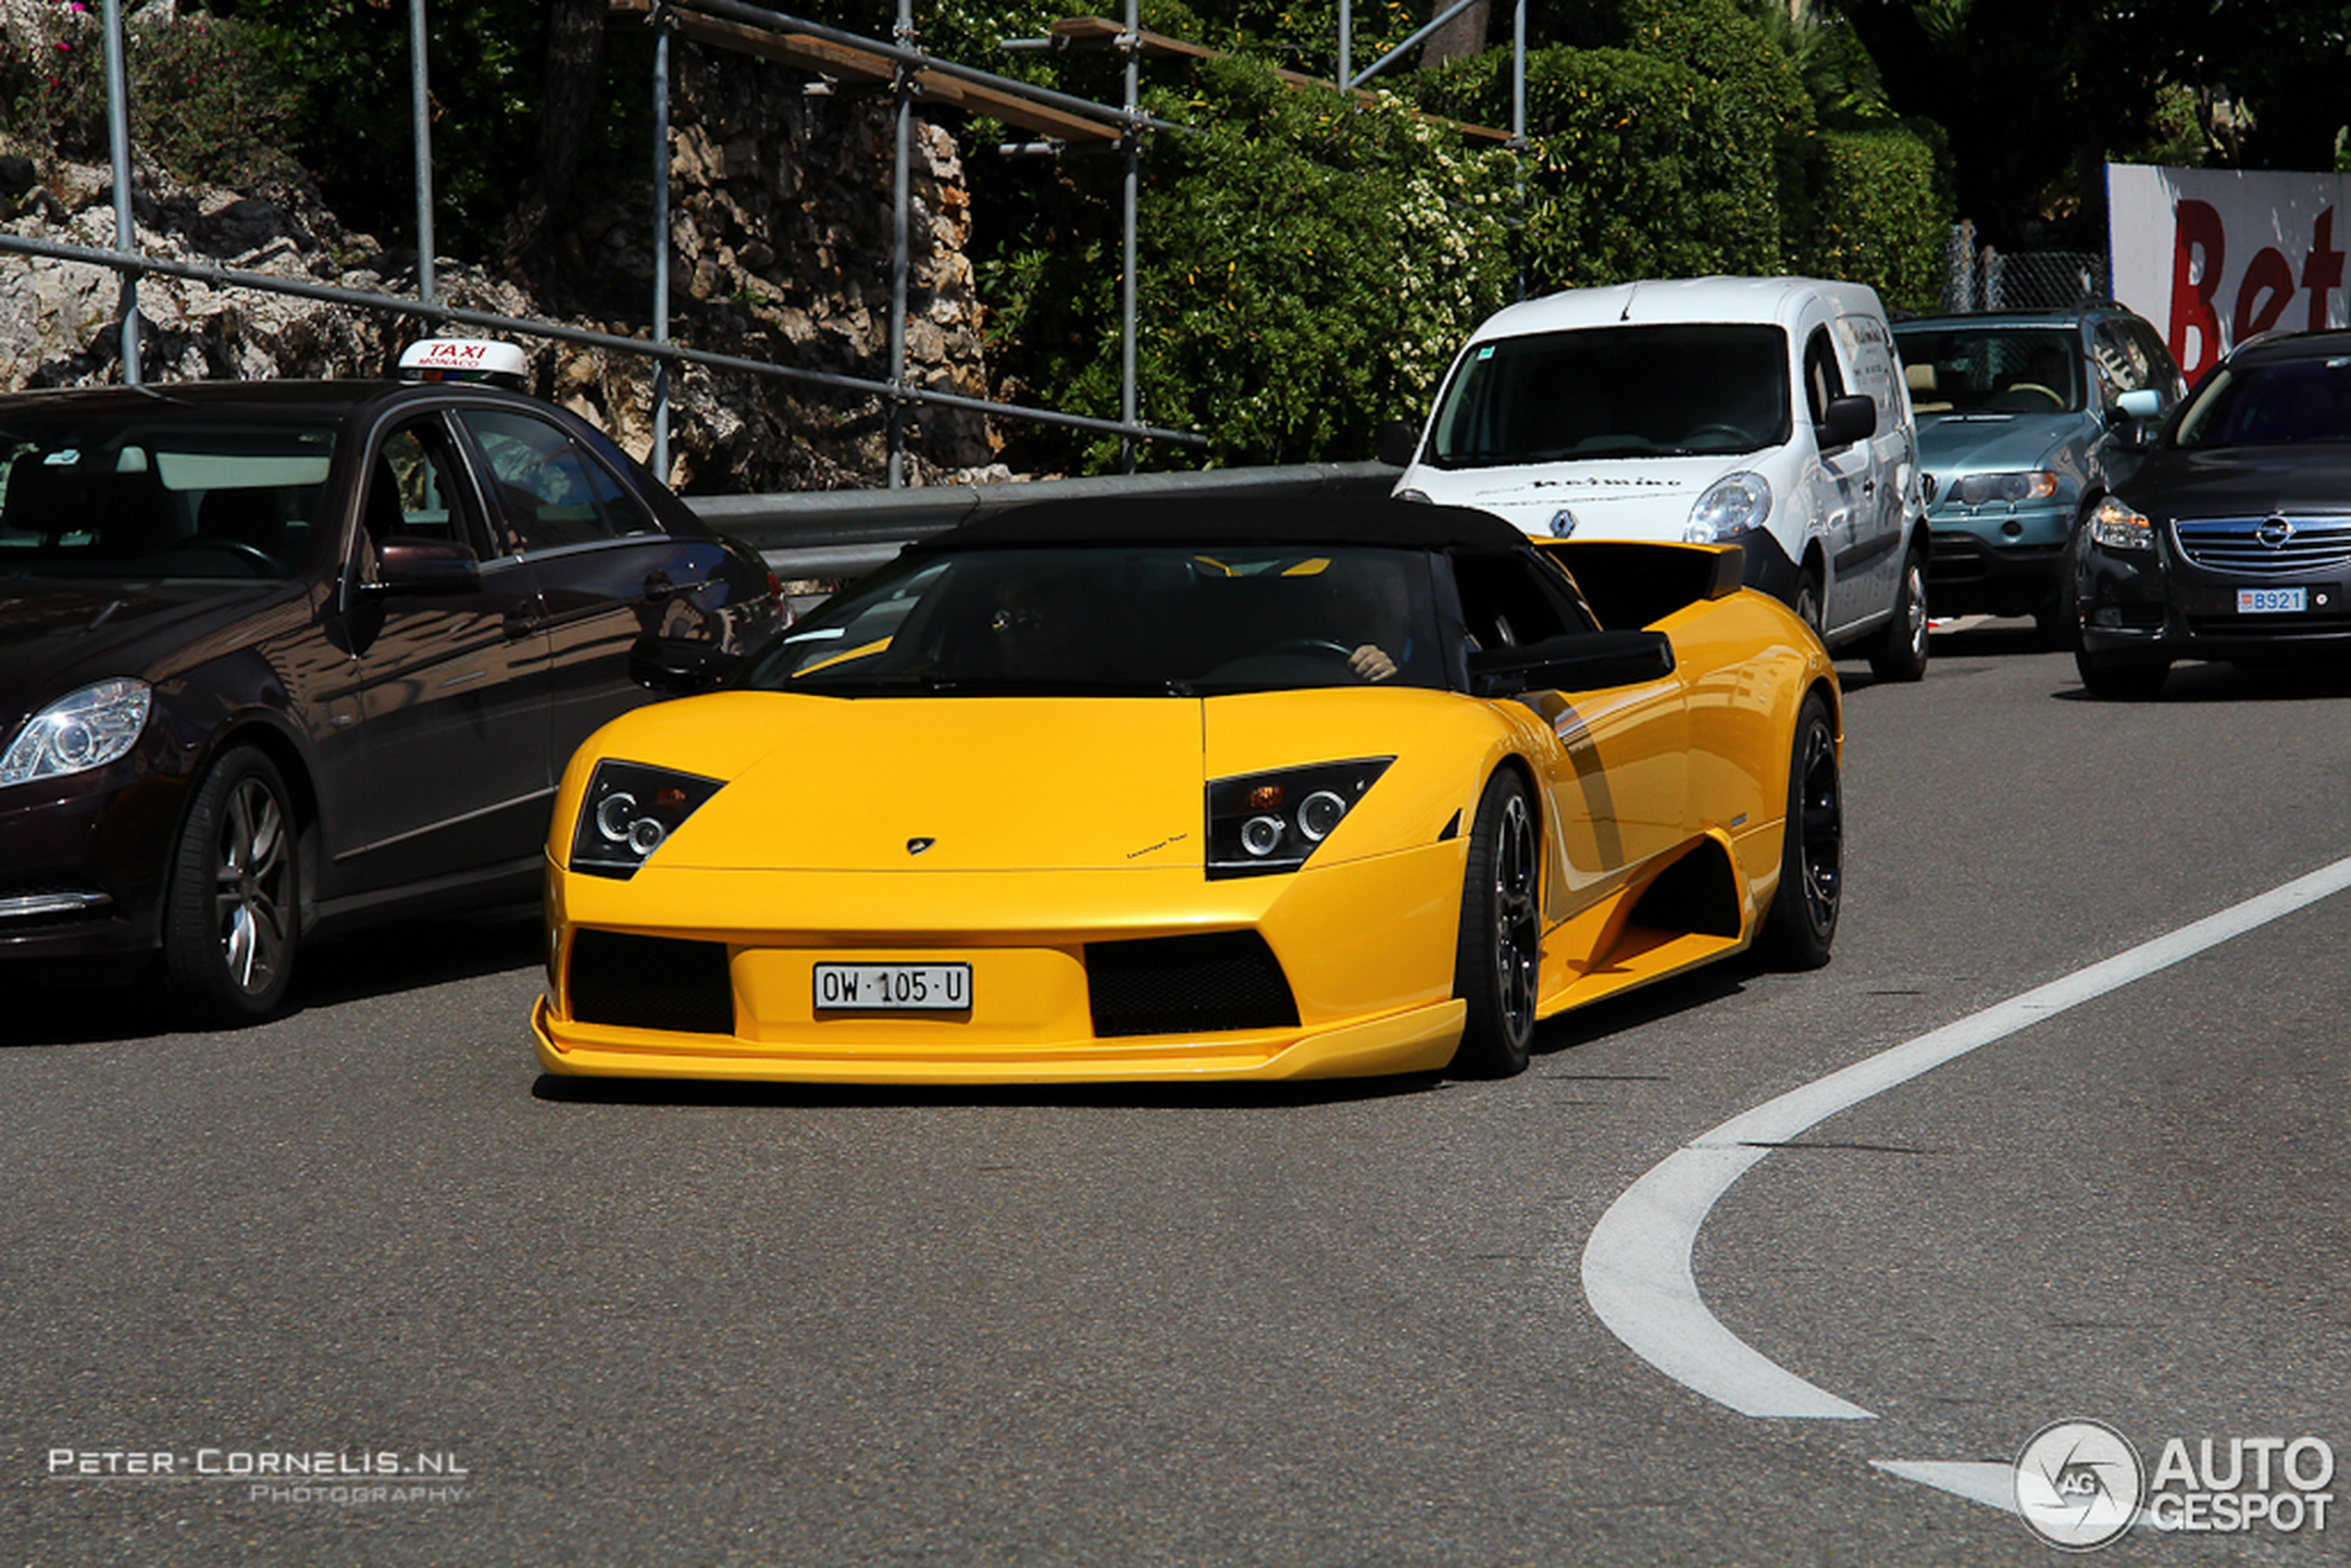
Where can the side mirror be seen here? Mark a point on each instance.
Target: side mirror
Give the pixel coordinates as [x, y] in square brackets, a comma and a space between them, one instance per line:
[2138, 416]
[405, 565]
[1395, 442]
[676, 665]
[1847, 420]
[1583, 661]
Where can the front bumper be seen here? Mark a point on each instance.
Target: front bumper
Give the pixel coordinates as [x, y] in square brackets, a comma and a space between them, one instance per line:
[2152, 604]
[83, 864]
[1370, 995]
[1997, 560]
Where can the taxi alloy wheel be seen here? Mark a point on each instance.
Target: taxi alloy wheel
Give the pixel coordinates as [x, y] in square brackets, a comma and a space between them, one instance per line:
[1500, 951]
[231, 928]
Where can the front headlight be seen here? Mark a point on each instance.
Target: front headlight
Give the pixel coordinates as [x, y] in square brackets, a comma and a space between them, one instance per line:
[78, 731]
[1979, 490]
[1263, 823]
[629, 811]
[2118, 526]
[1731, 507]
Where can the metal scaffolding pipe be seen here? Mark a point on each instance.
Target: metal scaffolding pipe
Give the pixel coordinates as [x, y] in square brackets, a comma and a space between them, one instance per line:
[126, 230]
[421, 118]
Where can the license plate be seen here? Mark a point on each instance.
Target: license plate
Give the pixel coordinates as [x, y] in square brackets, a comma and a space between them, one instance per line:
[893, 987]
[2272, 601]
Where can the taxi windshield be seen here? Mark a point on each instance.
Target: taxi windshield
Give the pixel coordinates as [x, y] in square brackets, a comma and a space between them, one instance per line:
[142, 497]
[1145, 621]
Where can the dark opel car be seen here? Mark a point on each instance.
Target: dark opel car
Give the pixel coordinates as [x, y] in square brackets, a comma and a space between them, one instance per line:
[277, 658]
[2232, 540]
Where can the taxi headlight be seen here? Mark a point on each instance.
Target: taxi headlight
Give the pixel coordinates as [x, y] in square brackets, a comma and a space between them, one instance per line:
[1261, 824]
[78, 731]
[630, 811]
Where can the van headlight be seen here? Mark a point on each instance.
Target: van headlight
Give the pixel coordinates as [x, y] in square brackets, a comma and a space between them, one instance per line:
[1734, 504]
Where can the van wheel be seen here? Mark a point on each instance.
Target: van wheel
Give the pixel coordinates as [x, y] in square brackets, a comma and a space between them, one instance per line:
[233, 920]
[1808, 604]
[1900, 654]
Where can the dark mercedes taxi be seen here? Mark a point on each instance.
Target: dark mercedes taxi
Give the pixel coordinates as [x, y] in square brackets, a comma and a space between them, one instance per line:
[279, 658]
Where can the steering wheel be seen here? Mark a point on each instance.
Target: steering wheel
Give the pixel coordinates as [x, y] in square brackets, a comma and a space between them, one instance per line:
[2034, 389]
[252, 554]
[1729, 432]
[1328, 646]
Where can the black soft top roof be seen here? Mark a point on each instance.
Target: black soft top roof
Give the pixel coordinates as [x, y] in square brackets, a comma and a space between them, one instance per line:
[1210, 518]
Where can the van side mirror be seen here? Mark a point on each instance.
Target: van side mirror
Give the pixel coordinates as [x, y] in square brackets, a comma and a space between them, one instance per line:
[1847, 420]
[1395, 442]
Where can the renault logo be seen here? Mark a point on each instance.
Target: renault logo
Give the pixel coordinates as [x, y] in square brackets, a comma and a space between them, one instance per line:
[2274, 532]
[916, 846]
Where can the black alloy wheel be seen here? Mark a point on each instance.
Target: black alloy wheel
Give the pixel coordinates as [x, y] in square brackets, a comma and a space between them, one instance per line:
[1801, 928]
[232, 924]
[1499, 959]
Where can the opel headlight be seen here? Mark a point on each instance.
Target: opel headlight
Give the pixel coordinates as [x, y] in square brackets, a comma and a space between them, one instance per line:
[1263, 823]
[629, 811]
[78, 731]
[2118, 526]
[1978, 489]
[1731, 507]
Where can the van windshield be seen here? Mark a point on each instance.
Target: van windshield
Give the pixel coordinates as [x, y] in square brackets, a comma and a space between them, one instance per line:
[1616, 391]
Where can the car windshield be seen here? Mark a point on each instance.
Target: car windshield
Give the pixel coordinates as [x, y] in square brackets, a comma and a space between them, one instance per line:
[1991, 370]
[193, 495]
[2281, 404]
[1115, 620]
[1616, 391]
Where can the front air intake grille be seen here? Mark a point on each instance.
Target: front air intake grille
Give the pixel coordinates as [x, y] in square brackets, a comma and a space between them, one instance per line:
[2272, 546]
[651, 983]
[1219, 981]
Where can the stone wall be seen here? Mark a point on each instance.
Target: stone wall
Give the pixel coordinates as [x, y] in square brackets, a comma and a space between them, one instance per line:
[781, 242]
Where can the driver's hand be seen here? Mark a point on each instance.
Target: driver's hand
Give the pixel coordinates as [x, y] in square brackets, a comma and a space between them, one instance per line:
[1371, 663]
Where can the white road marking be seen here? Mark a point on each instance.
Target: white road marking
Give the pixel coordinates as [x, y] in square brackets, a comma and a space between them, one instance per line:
[1637, 1266]
[1991, 1485]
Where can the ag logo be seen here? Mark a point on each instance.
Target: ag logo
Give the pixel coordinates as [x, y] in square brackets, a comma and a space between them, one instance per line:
[2078, 1485]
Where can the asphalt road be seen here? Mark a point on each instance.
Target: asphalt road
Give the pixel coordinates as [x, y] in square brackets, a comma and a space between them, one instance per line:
[1327, 1326]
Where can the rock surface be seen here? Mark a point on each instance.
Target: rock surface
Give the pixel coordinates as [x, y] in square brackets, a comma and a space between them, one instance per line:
[781, 232]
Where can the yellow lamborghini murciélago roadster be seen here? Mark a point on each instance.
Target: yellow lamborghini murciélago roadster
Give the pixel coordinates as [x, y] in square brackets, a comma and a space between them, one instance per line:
[1191, 789]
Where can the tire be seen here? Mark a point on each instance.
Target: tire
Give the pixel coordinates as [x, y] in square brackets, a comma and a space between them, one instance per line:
[2120, 677]
[1901, 649]
[1801, 928]
[2058, 619]
[1498, 962]
[1808, 603]
[231, 924]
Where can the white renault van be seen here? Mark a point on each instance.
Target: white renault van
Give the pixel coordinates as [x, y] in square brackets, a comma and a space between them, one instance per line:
[1766, 411]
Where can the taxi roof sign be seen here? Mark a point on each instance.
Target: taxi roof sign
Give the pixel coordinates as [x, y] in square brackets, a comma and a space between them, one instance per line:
[465, 359]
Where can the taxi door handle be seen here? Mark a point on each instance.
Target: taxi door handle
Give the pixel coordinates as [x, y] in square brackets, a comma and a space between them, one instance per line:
[523, 620]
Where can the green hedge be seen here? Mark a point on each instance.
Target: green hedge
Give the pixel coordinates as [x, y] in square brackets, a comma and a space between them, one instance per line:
[1882, 213]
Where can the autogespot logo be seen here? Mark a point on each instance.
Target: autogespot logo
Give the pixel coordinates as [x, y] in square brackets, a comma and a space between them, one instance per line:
[2079, 1484]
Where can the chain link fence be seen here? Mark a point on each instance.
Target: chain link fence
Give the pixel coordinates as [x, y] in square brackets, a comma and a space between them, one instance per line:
[1982, 278]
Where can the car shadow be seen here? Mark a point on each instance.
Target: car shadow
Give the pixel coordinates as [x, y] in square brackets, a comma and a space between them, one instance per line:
[382, 961]
[2321, 679]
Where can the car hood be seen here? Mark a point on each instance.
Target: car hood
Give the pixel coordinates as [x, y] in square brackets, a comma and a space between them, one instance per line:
[1624, 498]
[1020, 783]
[59, 635]
[2241, 481]
[1953, 445]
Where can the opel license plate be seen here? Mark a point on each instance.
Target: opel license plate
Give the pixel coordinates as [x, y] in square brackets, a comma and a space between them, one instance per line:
[2272, 601]
[893, 987]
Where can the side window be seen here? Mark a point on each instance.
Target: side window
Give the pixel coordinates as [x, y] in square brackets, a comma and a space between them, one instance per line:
[2122, 358]
[416, 489]
[552, 493]
[2164, 374]
[1824, 382]
[1513, 600]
